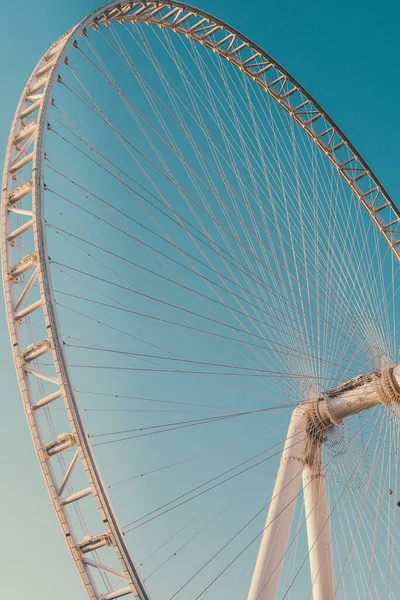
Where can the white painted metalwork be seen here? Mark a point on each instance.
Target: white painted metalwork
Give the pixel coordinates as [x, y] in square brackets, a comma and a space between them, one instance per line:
[303, 457]
[319, 534]
[23, 180]
[280, 515]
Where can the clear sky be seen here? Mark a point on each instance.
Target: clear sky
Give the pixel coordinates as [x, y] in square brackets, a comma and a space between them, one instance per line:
[346, 54]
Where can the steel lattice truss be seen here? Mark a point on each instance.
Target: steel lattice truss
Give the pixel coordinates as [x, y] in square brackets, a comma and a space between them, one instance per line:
[23, 179]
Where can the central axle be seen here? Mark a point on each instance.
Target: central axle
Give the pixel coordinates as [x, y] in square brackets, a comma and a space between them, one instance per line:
[302, 458]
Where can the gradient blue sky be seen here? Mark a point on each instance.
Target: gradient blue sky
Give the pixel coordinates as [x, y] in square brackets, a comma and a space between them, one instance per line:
[346, 54]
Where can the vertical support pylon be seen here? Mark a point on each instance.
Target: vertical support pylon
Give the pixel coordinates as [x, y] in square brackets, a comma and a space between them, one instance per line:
[319, 535]
[302, 457]
[277, 528]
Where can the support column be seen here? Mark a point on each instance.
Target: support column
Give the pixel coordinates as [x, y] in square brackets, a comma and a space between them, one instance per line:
[279, 521]
[303, 449]
[319, 535]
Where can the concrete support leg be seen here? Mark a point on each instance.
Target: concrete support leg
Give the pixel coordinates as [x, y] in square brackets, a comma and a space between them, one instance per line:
[318, 525]
[277, 528]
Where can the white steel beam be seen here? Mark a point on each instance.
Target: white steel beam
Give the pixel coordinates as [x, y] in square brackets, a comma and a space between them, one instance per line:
[76, 496]
[25, 132]
[92, 543]
[26, 290]
[117, 594]
[19, 231]
[68, 473]
[105, 568]
[21, 211]
[319, 535]
[19, 193]
[47, 399]
[28, 310]
[43, 376]
[38, 85]
[35, 351]
[30, 109]
[280, 515]
[23, 265]
[22, 150]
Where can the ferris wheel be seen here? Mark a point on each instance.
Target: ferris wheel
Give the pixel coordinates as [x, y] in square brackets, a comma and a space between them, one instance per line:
[201, 286]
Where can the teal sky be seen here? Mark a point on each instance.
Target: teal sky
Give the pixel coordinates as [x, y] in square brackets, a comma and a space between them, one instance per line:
[345, 54]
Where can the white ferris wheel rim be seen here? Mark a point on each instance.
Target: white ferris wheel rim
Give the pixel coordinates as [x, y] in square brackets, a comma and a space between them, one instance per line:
[26, 148]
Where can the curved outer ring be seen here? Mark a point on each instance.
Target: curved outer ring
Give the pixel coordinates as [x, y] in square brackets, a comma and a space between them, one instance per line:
[26, 150]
